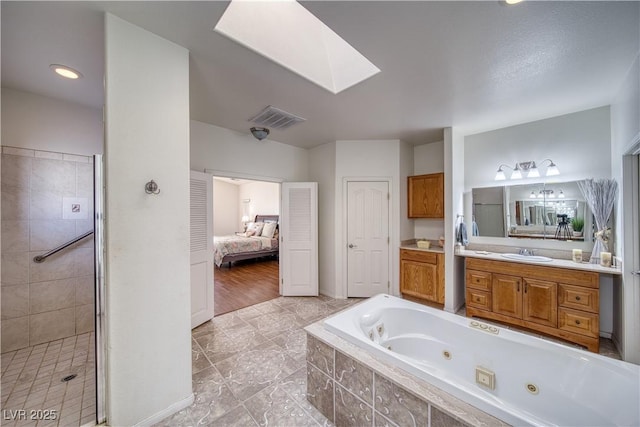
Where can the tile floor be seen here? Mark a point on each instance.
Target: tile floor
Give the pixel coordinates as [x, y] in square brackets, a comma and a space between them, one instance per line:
[32, 386]
[249, 366]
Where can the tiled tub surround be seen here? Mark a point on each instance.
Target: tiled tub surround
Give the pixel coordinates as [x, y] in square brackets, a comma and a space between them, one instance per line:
[352, 388]
[448, 360]
[54, 299]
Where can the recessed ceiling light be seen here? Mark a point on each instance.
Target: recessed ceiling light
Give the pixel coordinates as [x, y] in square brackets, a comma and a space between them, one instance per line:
[512, 1]
[66, 72]
[288, 34]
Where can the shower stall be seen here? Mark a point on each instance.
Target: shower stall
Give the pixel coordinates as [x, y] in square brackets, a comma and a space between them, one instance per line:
[50, 320]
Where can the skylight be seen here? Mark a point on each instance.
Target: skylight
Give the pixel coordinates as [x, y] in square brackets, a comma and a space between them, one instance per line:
[288, 34]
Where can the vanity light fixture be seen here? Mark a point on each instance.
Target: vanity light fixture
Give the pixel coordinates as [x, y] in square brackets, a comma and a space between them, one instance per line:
[561, 195]
[528, 169]
[66, 72]
[532, 195]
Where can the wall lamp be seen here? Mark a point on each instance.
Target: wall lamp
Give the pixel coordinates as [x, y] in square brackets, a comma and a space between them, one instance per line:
[529, 168]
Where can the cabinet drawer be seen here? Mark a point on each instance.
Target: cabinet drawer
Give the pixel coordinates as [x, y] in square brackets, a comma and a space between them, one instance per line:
[579, 298]
[419, 256]
[578, 322]
[478, 280]
[478, 299]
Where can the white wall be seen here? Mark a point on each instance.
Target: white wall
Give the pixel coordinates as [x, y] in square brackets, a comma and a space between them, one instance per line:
[455, 163]
[406, 169]
[40, 123]
[625, 130]
[578, 143]
[322, 169]
[226, 213]
[264, 198]
[147, 236]
[428, 158]
[367, 159]
[235, 154]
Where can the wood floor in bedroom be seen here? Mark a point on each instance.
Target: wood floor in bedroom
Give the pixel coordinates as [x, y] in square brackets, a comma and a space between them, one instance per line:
[245, 283]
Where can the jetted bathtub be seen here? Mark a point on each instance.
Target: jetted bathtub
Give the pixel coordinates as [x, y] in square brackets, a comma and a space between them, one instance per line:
[520, 379]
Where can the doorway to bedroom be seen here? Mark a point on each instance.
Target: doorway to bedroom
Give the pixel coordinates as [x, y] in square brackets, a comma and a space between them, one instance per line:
[246, 247]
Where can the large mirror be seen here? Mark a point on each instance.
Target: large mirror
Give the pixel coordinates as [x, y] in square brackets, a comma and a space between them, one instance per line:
[533, 211]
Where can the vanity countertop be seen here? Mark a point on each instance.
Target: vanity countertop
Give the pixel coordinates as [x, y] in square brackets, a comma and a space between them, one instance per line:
[414, 247]
[560, 263]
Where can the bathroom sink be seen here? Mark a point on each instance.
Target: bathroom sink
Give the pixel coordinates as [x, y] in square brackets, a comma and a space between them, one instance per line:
[531, 258]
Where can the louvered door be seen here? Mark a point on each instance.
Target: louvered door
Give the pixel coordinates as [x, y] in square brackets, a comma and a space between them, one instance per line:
[299, 239]
[201, 248]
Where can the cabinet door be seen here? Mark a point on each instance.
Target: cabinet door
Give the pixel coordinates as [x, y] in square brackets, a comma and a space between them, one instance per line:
[540, 302]
[506, 295]
[419, 279]
[426, 196]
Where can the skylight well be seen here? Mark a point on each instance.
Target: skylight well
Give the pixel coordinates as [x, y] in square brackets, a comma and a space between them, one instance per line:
[288, 34]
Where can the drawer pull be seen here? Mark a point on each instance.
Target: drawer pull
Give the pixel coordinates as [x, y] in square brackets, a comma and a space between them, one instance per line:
[578, 298]
[577, 322]
[477, 299]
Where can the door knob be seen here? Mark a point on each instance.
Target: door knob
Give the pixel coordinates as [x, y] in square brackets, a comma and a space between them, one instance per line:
[636, 273]
[351, 246]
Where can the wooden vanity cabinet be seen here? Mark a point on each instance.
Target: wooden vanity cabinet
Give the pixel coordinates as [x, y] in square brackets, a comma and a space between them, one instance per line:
[559, 302]
[422, 275]
[426, 196]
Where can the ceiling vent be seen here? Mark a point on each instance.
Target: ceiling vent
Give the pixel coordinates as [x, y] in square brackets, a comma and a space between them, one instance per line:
[275, 118]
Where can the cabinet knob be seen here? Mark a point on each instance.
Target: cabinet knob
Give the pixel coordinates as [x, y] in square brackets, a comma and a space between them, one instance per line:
[577, 322]
[577, 297]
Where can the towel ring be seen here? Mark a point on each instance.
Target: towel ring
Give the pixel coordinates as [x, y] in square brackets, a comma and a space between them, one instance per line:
[151, 187]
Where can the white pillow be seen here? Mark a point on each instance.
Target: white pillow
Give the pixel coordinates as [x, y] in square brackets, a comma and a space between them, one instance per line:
[256, 227]
[269, 229]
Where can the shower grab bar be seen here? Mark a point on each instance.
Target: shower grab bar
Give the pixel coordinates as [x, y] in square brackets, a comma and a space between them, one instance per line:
[41, 258]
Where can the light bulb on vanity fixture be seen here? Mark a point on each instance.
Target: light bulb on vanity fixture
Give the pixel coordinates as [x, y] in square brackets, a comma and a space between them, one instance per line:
[528, 169]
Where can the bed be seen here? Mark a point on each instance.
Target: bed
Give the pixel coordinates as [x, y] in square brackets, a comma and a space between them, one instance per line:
[228, 249]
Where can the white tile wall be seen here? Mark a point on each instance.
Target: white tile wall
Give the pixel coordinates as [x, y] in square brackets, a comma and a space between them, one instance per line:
[54, 299]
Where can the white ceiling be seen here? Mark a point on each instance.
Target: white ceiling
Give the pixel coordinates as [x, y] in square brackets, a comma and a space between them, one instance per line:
[477, 65]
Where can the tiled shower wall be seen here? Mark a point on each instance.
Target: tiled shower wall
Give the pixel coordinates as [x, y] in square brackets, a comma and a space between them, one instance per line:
[41, 195]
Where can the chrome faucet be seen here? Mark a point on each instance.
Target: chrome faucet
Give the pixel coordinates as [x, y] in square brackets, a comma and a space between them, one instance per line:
[525, 252]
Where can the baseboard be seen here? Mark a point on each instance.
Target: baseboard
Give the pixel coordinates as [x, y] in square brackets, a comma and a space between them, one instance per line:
[604, 334]
[172, 409]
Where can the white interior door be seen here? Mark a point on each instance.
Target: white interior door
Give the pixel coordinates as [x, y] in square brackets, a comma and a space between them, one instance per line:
[201, 248]
[367, 238]
[299, 239]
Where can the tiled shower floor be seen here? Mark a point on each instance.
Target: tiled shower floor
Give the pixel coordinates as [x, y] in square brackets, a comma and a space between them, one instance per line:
[32, 386]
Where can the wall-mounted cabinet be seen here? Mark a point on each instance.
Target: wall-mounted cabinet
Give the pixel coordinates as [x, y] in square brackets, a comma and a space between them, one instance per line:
[556, 301]
[426, 196]
[422, 275]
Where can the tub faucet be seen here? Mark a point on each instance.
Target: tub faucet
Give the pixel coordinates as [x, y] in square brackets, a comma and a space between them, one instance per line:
[526, 252]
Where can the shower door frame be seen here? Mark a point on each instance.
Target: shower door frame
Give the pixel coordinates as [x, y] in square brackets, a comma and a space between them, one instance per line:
[100, 296]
